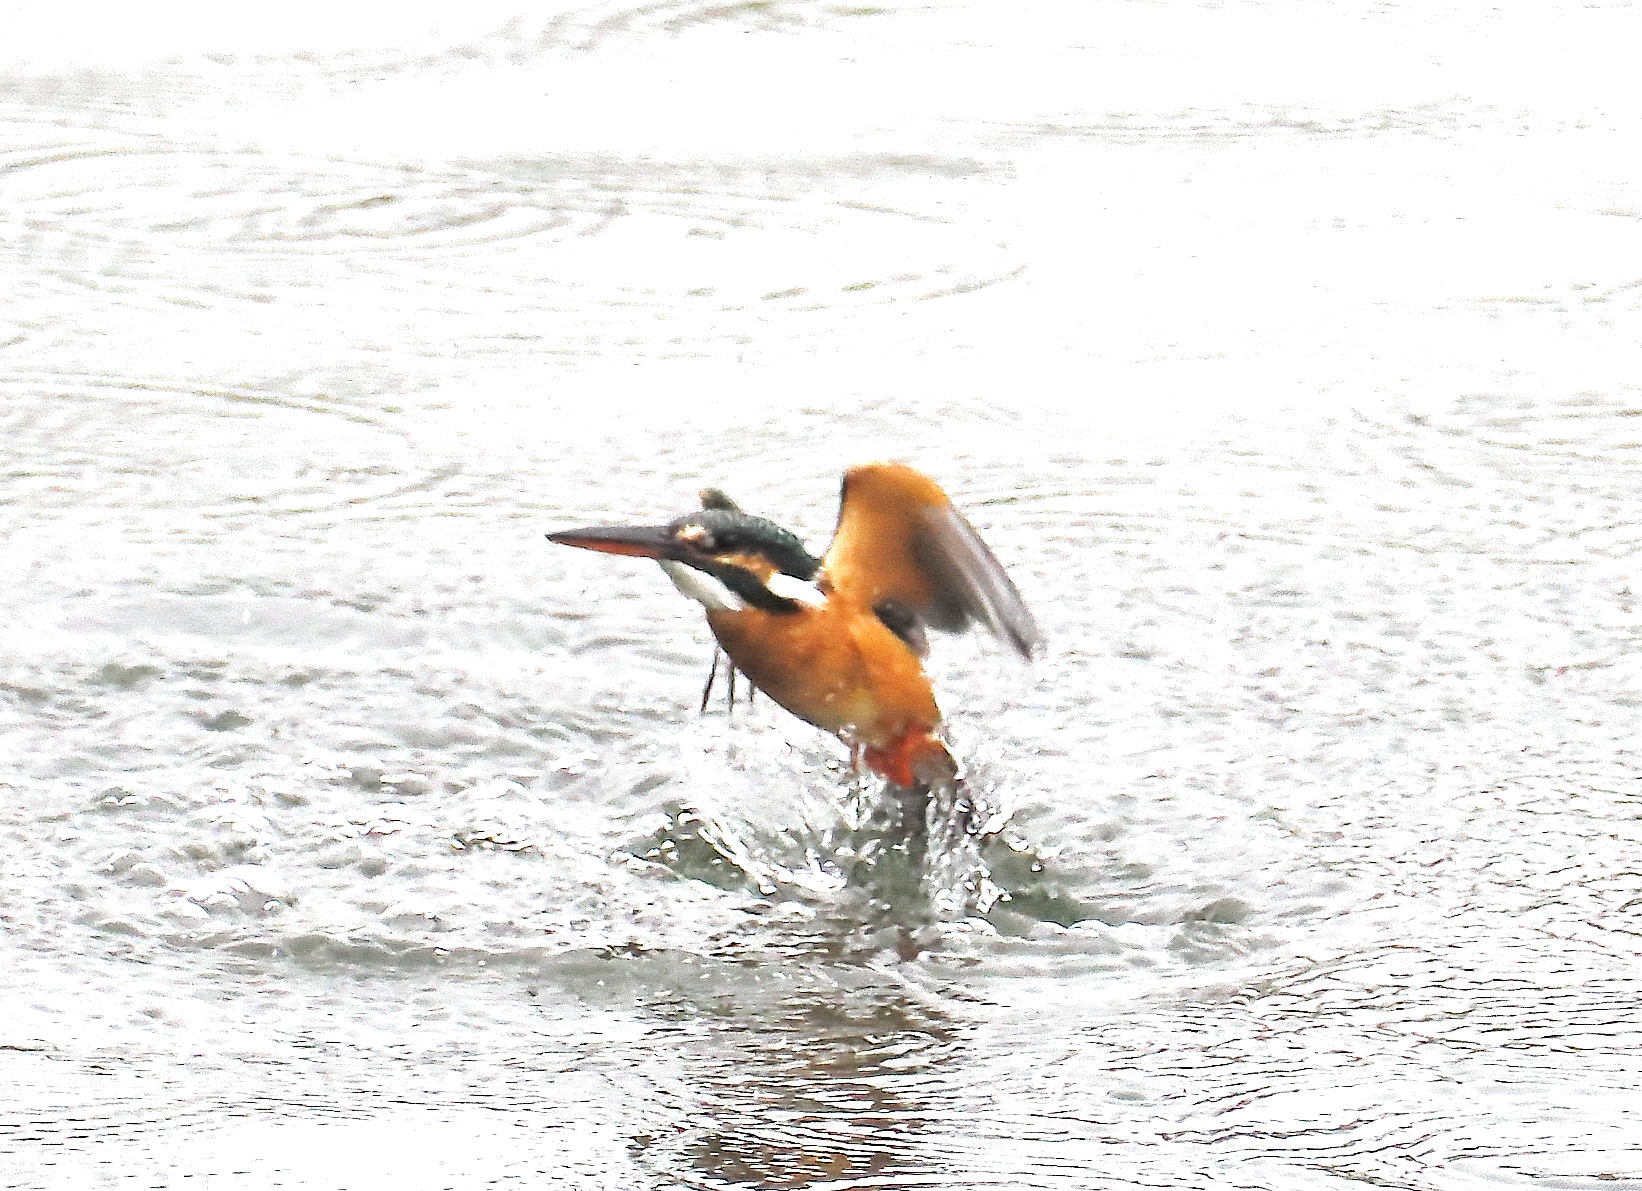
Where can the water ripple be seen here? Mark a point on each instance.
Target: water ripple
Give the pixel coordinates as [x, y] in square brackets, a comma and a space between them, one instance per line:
[72, 455]
[616, 242]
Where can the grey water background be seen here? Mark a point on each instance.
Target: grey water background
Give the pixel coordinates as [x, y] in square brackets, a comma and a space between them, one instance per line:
[352, 837]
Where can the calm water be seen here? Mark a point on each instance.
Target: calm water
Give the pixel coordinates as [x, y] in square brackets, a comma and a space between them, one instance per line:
[354, 838]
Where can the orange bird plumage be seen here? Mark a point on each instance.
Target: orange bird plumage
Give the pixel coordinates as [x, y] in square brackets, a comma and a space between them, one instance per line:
[839, 641]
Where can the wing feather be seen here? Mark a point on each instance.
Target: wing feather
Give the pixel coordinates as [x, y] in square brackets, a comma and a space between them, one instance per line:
[900, 540]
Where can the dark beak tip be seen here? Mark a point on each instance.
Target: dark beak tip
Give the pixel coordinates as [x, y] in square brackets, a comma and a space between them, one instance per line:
[636, 542]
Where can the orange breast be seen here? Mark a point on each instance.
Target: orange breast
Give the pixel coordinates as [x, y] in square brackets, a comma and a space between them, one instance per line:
[836, 666]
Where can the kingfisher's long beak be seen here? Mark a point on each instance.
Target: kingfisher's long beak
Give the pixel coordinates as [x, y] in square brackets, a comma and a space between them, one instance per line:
[638, 541]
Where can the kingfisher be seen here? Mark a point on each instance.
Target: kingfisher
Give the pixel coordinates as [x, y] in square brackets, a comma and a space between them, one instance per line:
[839, 641]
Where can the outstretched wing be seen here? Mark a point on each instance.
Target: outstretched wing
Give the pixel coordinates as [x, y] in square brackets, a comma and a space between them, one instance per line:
[902, 547]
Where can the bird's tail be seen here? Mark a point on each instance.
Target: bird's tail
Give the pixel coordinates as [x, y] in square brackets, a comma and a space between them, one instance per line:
[916, 758]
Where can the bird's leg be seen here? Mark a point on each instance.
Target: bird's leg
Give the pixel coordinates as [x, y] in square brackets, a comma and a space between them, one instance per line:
[707, 690]
[731, 685]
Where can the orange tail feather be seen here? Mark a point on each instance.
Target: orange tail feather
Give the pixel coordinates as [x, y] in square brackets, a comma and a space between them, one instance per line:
[916, 758]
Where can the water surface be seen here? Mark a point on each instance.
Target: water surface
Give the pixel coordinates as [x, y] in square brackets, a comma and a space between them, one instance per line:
[355, 837]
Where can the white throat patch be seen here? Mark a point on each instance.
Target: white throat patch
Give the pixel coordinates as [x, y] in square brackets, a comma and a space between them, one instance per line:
[715, 597]
[702, 588]
[790, 588]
